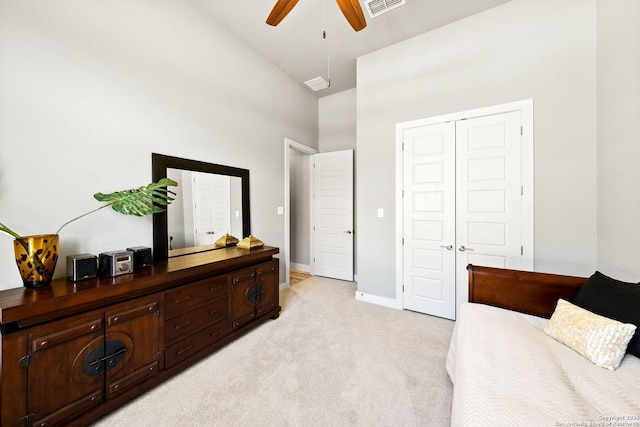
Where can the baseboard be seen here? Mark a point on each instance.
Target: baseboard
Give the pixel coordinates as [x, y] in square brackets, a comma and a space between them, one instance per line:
[378, 300]
[283, 286]
[300, 267]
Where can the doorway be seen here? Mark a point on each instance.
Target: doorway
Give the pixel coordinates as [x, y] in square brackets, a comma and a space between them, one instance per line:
[300, 154]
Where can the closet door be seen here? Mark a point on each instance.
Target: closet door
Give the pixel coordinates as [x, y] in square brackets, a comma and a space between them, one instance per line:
[462, 204]
[488, 195]
[429, 219]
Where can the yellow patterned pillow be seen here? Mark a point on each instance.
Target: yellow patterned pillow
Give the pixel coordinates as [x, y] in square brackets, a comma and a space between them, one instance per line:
[600, 339]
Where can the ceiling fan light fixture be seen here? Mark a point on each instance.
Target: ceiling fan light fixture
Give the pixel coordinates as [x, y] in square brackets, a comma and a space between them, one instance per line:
[317, 84]
[351, 10]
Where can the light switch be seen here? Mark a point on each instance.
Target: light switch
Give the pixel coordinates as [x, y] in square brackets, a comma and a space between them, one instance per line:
[280, 210]
[380, 212]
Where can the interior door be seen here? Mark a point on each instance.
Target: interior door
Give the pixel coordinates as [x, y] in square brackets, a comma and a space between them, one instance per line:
[222, 206]
[333, 214]
[488, 195]
[429, 219]
[462, 204]
[212, 215]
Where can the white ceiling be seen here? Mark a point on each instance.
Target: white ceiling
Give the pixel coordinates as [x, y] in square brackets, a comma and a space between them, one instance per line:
[296, 44]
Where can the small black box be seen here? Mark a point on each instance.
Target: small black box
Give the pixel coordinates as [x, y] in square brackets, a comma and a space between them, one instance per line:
[141, 257]
[82, 266]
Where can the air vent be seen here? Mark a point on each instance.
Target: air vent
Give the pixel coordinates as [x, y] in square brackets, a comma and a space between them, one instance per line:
[317, 84]
[378, 7]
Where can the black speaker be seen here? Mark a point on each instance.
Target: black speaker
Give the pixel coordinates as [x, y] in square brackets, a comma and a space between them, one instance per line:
[141, 257]
[81, 267]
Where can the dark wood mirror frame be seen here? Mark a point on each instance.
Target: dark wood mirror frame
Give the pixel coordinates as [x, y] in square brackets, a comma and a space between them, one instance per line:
[159, 165]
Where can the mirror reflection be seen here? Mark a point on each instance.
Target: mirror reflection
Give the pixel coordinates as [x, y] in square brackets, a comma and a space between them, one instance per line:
[211, 200]
[206, 207]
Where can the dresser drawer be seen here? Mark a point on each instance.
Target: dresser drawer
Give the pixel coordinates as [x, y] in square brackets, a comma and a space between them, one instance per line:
[189, 296]
[188, 323]
[183, 349]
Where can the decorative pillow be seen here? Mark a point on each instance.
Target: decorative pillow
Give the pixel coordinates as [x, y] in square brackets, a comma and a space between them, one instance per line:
[603, 341]
[613, 299]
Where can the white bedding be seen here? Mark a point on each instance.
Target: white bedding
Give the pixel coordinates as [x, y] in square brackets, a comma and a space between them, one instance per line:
[507, 372]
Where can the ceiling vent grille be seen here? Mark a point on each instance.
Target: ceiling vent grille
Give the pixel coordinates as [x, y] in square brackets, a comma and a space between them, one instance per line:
[317, 84]
[378, 7]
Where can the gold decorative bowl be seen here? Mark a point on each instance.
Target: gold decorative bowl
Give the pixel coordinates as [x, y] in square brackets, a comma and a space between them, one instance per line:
[226, 240]
[250, 243]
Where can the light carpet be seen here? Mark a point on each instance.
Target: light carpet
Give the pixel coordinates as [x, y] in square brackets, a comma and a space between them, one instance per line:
[328, 360]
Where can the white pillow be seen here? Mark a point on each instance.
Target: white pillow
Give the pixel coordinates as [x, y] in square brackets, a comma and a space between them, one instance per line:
[601, 340]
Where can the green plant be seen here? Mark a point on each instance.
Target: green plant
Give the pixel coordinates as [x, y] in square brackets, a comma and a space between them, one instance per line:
[141, 201]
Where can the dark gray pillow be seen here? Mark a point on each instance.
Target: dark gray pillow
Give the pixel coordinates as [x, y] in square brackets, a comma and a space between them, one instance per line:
[613, 299]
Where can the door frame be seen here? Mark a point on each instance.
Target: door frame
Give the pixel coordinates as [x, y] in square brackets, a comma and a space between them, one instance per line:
[525, 107]
[291, 144]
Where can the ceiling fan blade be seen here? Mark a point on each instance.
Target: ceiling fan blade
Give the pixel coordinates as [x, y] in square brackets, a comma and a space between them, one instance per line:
[353, 12]
[280, 10]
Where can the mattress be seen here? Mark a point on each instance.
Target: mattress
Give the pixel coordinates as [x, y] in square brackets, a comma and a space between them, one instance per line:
[506, 371]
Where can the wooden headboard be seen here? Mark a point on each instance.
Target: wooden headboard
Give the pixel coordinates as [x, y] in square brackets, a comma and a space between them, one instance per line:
[524, 291]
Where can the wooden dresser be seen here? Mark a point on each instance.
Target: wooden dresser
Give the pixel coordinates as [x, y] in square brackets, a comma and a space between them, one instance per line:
[73, 351]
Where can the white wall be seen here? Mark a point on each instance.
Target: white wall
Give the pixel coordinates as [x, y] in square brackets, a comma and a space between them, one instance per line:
[88, 90]
[545, 50]
[337, 121]
[619, 138]
[337, 131]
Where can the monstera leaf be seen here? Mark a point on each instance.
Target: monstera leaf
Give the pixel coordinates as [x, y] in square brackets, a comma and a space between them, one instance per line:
[142, 201]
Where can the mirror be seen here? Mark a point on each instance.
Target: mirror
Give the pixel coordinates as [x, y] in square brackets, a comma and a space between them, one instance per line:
[221, 196]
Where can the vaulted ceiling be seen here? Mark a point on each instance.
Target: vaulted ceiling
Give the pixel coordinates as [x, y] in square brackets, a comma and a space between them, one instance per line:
[297, 45]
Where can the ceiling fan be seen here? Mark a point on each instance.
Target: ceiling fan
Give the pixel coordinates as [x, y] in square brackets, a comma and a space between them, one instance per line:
[350, 9]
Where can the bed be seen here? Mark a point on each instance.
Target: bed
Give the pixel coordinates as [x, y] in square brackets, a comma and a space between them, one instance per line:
[506, 370]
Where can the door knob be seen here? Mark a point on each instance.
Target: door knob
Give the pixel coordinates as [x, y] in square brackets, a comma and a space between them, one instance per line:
[462, 249]
[448, 247]
[347, 231]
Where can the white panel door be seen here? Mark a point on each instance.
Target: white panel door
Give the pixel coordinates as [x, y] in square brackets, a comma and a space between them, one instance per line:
[212, 217]
[333, 214]
[221, 208]
[462, 204]
[488, 195]
[429, 219]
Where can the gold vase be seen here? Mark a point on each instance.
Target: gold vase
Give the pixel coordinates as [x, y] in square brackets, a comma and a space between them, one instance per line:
[36, 257]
